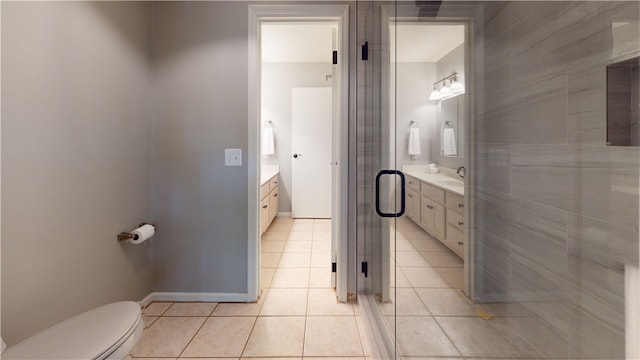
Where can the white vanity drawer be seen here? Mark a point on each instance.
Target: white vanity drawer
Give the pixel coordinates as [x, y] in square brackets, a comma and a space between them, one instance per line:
[432, 192]
[273, 183]
[455, 202]
[264, 190]
[455, 240]
[413, 183]
[455, 219]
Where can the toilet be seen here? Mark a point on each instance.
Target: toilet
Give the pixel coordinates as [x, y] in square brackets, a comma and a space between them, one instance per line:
[106, 332]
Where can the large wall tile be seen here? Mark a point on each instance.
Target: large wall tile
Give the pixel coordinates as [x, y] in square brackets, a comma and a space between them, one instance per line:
[587, 106]
[531, 113]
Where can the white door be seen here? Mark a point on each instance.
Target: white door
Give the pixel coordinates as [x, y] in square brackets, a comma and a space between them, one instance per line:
[311, 118]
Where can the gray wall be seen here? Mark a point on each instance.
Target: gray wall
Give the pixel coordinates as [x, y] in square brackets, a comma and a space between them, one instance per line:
[410, 101]
[277, 81]
[76, 159]
[200, 108]
[556, 209]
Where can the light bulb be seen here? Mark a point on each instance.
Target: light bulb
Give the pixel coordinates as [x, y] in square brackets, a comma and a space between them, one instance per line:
[457, 88]
[435, 94]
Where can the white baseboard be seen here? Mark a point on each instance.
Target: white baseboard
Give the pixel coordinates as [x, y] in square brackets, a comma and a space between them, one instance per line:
[284, 214]
[181, 296]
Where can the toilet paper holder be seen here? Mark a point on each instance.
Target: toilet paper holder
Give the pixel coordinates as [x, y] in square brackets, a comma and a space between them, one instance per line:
[126, 236]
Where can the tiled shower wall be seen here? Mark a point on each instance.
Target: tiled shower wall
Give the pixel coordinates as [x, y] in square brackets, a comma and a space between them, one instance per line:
[556, 209]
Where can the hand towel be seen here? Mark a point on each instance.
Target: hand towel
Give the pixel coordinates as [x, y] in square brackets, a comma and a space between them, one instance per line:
[268, 146]
[414, 142]
[448, 143]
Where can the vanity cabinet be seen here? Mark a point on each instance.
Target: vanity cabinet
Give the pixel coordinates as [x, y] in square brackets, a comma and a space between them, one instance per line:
[413, 199]
[455, 223]
[433, 213]
[268, 203]
[438, 211]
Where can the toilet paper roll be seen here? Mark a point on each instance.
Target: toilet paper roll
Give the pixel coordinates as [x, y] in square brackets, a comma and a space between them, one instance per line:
[142, 233]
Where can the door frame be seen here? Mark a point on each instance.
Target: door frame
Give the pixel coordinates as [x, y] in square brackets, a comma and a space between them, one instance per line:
[313, 13]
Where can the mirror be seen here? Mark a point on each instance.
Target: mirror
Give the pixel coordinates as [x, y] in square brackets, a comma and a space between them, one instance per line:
[622, 103]
[451, 118]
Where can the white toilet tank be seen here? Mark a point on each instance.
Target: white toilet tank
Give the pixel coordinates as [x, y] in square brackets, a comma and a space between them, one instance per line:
[106, 332]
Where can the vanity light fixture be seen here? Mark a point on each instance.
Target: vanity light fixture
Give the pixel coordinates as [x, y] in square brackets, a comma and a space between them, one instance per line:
[454, 88]
[435, 94]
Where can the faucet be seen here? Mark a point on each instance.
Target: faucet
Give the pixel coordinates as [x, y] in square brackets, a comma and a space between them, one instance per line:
[461, 171]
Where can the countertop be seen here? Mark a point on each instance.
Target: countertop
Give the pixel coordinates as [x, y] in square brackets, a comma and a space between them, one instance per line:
[267, 172]
[440, 180]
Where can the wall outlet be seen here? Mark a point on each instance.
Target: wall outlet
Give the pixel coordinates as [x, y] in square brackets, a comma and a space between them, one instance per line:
[232, 157]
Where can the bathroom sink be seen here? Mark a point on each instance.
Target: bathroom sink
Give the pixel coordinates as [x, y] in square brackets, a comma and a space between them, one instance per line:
[451, 183]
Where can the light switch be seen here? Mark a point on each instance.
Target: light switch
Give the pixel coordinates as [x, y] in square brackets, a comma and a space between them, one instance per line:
[232, 157]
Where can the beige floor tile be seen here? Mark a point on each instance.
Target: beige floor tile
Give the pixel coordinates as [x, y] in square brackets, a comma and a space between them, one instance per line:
[448, 302]
[272, 246]
[298, 247]
[277, 235]
[322, 225]
[475, 337]
[300, 235]
[220, 337]
[332, 336]
[402, 245]
[291, 278]
[266, 276]
[453, 276]
[427, 244]
[421, 336]
[321, 246]
[324, 302]
[295, 260]
[442, 259]
[302, 226]
[398, 279]
[269, 260]
[410, 258]
[424, 277]
[191, 309]
[275, 358]
[321, 235]
[167, 337]
[280, 226]
[335, 358]
[276, 336]
[156, 358]
[321, 259]
[156, 308]
[404, 302]
[285, 302]
[240, 309]
[149, 320]
[320, 277]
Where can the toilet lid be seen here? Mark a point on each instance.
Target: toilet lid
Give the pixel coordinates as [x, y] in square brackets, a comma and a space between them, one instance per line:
[91, 335]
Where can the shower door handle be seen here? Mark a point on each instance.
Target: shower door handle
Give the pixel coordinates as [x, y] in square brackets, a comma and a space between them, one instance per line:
[402, 193]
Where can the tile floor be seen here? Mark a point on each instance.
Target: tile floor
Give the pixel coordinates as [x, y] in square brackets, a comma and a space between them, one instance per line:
[434, 319]
[296, 317]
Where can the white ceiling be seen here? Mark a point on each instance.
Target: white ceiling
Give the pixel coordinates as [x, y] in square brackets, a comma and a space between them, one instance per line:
[424, 43]
[312, 42]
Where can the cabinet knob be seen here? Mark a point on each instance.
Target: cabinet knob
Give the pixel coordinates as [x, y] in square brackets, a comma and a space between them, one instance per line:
[460, 205]
[409, 195]
[275, 195]
[264, 206]
[460, 223]
[460, 243]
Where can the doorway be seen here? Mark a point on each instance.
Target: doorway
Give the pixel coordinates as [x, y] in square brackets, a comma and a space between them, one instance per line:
[300, 57]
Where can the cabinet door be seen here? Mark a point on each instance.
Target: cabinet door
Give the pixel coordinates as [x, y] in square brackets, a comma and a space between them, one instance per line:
[264, 215]
[413, 205]
[273, 204]
[439, 221]
[426, 218]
